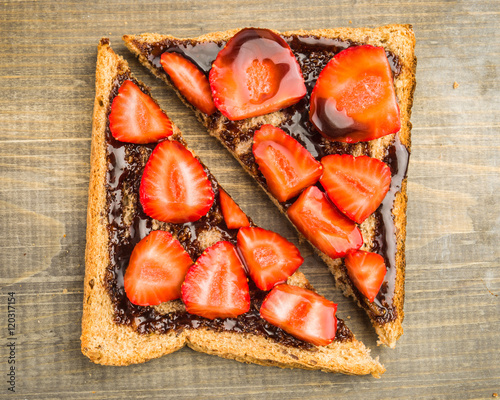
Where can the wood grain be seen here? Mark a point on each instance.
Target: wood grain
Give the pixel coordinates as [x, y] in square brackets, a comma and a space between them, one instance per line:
[451, 345]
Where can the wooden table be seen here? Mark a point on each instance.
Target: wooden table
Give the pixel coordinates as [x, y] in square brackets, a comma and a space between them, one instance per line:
[451, 345]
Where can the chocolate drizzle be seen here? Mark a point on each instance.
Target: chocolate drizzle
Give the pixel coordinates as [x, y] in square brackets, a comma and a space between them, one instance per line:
[385, 242]
[312, 53]
[128, 224]
[201, 54]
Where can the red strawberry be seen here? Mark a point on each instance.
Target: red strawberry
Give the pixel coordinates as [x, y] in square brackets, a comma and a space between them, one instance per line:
[233, 216]
[354, 98]
[367, 271]
[190, 81]
[156, 270]
[323, 225]
[269, 257]
[302, 313]
[174, 187]
[216, 285]
[136, 118]
[356, 185]
[254, 74]
[287, 166]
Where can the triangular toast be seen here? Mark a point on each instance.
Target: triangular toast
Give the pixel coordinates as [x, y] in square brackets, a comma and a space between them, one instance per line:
[115, 332]
[384, 232]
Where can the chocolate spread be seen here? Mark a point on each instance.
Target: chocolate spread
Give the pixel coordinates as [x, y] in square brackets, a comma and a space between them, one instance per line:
[128, 224]
[312, 53]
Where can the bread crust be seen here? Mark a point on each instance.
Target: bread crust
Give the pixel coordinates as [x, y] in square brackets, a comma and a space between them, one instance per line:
[398, 39]
[105, 342]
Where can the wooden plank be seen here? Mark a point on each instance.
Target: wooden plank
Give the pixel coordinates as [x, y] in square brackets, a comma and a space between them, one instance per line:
[452, 328]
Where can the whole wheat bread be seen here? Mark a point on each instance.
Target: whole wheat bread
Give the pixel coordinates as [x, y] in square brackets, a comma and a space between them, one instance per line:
[107, 342]
[399, 40]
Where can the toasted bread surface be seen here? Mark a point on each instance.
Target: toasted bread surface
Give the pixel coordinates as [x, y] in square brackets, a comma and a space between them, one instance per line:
[397, 39]
[106, 342]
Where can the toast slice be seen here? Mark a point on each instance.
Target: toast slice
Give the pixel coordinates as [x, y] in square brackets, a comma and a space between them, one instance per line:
[116, 332]
[384, 231]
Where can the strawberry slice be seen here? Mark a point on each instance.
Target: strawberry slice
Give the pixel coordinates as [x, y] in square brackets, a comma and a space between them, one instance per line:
[269, 257]
[367, 271]
[233, 216]
[354, 98]
[287, 166]
[136, 118]
[216, 285]
[189, 80]
[254, 74]
[356, 185]
[174, 186]
[302, 313]
[156, 270]
[323, 225]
